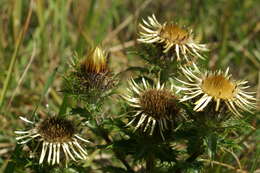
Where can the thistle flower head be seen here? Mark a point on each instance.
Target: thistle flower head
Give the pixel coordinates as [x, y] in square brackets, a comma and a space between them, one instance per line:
[171, 36]
[90, 80]
[95, 61]
[155, 106]
[218, 87]
[58, 137]
[56, 129]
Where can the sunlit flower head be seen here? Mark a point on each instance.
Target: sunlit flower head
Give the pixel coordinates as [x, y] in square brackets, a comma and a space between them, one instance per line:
[58, 137]
[171, 36]
[153, 106]
[90, 79]
[218, 87]
[95, 61]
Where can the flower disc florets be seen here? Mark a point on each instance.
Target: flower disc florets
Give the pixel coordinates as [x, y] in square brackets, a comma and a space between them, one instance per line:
[158, 103]
[174, 34]
[218, 86]
[56, 129]
[154, 106]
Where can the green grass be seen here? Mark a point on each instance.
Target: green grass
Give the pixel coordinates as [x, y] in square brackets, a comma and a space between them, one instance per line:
[58, 29]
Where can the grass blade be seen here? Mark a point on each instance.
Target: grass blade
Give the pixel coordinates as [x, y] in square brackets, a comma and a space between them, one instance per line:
[46, 87]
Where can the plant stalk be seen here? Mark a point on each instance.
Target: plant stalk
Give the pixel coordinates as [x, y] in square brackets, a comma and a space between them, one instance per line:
[14, 56]
[150, 164]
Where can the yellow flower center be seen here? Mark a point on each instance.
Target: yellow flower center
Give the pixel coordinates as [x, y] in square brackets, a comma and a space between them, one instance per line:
[218, 86]
[174, 34]
[158, 103]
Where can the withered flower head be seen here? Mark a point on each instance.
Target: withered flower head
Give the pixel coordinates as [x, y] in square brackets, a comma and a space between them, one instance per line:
[216, 86]
[58, 135]
[153, 106]
[171, 36]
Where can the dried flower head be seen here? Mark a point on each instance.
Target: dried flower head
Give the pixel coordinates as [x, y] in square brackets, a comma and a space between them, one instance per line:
[153, 106]
[217, 86]
[54, 133]
[171, 36]
[95, 61]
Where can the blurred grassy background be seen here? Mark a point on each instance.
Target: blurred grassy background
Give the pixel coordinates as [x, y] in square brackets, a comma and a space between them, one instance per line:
[38, 36]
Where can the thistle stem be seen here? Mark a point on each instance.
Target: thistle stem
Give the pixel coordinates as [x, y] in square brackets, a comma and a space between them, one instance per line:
[150, 164]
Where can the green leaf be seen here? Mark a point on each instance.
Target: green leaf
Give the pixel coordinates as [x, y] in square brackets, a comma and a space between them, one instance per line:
[212, 145]
[64, 105]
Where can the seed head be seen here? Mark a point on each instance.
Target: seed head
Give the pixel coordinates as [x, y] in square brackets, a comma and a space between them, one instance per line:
[57, 135]
[158, 103]
[154, 106]
[56, 129]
